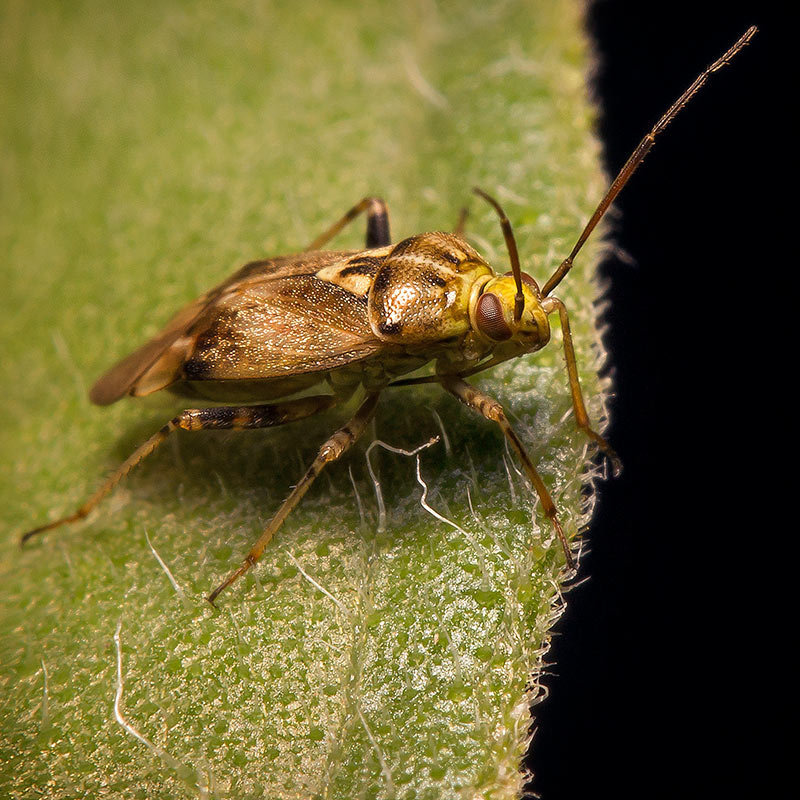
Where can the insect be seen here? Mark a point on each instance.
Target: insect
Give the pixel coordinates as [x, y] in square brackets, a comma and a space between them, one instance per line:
[357, 321]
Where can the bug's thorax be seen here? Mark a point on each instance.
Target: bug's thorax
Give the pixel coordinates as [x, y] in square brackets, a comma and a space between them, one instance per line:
[421, 292]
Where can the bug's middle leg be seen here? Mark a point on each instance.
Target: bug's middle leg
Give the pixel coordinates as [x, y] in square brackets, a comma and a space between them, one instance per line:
[378, 234]
[332, 449]
[492, 410]
[198, 419]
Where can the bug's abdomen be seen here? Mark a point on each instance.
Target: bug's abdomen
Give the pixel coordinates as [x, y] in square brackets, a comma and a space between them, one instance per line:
[421, 291]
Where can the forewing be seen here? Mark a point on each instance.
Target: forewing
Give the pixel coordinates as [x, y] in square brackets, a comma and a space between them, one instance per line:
[281, 316]
[287, 326]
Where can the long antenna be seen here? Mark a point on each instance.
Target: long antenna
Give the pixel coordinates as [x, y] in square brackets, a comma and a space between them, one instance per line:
[513, 254]
[640, 152]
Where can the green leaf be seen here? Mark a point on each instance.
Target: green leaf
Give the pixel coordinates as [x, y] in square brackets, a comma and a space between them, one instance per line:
[148, 150]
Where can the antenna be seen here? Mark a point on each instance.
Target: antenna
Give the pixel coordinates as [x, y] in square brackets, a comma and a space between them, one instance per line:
[513, 255]
[640, 152]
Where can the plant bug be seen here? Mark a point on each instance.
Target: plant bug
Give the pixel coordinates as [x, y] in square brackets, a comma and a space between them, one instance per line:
[358, 320]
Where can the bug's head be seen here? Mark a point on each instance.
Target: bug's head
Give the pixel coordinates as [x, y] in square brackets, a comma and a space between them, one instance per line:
[507, 310]
[493, 313]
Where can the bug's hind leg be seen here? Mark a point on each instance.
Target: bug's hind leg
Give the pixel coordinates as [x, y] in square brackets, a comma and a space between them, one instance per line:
[491, 409]
[198, 419]
[331, 450]
[378, 234]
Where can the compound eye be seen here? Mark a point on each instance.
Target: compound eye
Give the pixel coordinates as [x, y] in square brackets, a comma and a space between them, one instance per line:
[490, 318]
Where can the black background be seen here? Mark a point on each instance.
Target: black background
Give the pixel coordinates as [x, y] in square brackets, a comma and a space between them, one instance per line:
[662, 659]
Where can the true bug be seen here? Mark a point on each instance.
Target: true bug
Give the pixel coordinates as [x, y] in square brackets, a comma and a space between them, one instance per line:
[358, 319]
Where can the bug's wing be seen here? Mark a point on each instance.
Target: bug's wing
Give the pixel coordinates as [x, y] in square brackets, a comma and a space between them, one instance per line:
[284, 327]
[214, 336]
[122, 377]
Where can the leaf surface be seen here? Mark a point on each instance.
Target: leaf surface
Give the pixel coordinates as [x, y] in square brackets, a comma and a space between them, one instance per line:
[149, 150]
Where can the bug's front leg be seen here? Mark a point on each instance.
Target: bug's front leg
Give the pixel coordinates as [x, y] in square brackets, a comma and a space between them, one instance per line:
[199, 419]
[491, 409]
[331, 450]
[378, 234]
[581, 417]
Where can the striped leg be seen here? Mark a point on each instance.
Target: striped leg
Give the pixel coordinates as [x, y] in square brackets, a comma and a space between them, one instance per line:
[199, 419]
[378, 234]
[331, 450]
